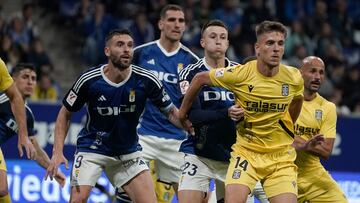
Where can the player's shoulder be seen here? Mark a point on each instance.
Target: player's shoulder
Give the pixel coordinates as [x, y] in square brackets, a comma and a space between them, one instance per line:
[3, 98]
[144, 73]
[87, 76]
[325, 103]
[191, 69]
[147, 47]
[291, 72]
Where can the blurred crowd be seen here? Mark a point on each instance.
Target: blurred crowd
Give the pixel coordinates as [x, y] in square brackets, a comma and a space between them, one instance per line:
[20, 42]
[329, 29]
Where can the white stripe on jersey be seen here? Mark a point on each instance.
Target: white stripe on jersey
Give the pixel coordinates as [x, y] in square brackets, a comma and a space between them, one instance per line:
[3, 98]
[148, 74]
[85, 77]
[185, 71]
[144, 45]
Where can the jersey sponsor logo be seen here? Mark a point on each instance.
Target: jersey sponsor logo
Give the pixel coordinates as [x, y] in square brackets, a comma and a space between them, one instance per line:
[132, 96]
[167, 77]
[151, 61]
[102, 98]
[303, 130]
[71, 98]
[115, 110]
[260, 106]
[250, 87]
[219, 96]
[318, 114]
[184, 86]
[285, 90]
[219, 72]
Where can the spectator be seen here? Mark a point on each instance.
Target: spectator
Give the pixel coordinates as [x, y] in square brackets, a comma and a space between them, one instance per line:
[39, 57]
[45, 90]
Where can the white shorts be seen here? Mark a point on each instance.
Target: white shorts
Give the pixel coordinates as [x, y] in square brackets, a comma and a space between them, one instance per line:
[87, 168]
[166, 154]
[198, 171]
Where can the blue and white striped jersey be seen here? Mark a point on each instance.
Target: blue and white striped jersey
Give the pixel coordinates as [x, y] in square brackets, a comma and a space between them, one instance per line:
[8, 126]
[113, 110]
[166, 66]
[215, 132]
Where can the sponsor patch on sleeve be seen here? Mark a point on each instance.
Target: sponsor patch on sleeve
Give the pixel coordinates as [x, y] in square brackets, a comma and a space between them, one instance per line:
[71, 98]
[219, 72]
[184, 86]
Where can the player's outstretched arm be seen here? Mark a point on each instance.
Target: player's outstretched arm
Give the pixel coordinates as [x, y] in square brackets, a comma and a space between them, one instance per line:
[44, 161]
[61, 127]
[18, 109]
[197, 82]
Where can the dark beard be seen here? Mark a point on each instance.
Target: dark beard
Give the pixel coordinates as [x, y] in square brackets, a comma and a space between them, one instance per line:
[118, 64]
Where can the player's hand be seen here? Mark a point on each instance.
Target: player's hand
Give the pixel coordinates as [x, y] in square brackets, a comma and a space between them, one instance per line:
[60, 178]
[24, 142]
[56, 160]
[188, 126]
[236, 113]
[314, 141]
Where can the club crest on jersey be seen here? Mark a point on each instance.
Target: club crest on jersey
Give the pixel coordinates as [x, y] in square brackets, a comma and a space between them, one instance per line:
[71, 98]
[132, 96]
[180, 66]
[219, 72]
[236, 174]
[285, 90]
[318, 114]
[184, 86]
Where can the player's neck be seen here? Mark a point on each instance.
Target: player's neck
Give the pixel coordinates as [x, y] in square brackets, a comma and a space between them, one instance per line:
[215, 62]
[116, 75]
[169, 45]
[308, 95]
[267, 70]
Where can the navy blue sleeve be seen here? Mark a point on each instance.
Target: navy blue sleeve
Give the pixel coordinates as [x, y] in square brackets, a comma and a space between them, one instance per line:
[30, 122]
[157, 94]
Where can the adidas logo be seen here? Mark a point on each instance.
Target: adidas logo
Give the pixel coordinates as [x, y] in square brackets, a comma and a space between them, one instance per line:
[141, 162]
[102, 98]
[151, 61]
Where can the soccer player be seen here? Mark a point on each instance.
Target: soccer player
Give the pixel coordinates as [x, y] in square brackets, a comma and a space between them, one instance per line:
[24, 78]
[213, 115]
[317, 118]
[17, 106]
[115, 95]
[164, 57]
[266, 89]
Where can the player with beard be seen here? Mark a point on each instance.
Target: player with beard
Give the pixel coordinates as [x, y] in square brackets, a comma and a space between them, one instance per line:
[317, 118]
[115, 95]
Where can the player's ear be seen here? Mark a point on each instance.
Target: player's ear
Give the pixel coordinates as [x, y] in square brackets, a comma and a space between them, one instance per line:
[160, 24]
[202, 43]
[107, 51]
[256, 47]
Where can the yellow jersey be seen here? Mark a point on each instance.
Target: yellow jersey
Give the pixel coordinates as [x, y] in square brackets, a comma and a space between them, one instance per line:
[265, 100]
[5, 79]
[318, 116]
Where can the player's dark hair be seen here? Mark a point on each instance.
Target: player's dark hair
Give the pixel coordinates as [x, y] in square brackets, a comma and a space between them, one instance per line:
[270, 26]
[22, 66]
[213, 23]
[169, 7]
[115, 32]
